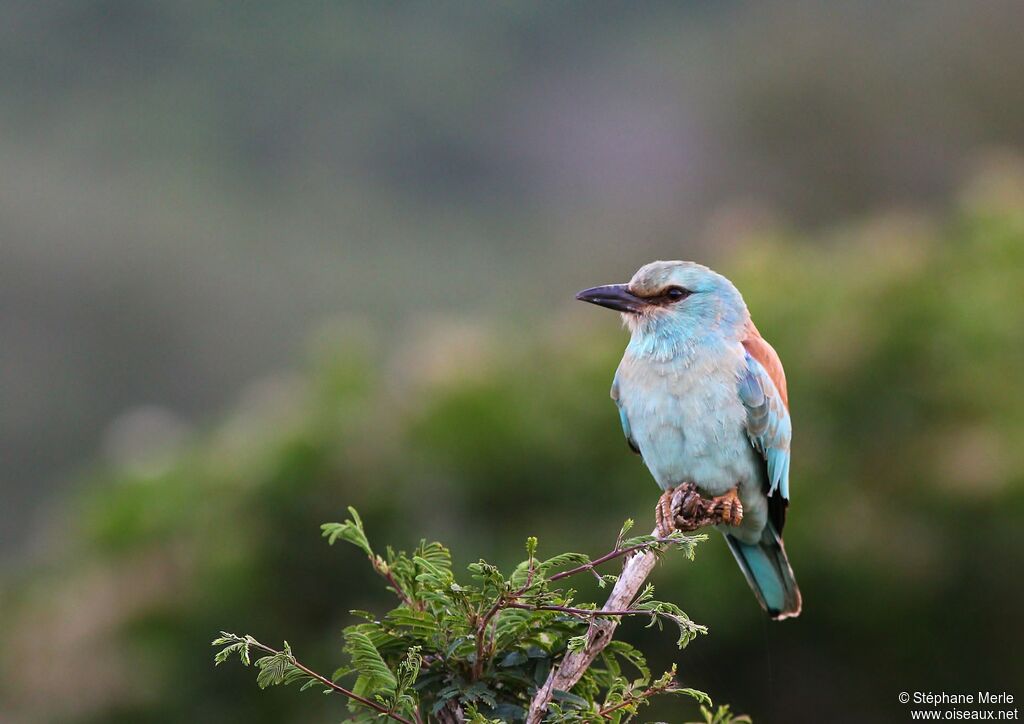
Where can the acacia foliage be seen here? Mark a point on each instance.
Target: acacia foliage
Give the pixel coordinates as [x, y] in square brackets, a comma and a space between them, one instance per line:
[484, 644]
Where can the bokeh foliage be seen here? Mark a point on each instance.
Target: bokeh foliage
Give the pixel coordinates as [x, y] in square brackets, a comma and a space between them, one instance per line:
[903, 339]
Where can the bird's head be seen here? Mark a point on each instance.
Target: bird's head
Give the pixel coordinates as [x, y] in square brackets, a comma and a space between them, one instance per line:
[674, 300]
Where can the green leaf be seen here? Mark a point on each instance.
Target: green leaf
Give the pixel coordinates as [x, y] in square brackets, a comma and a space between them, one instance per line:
[278, 668]
[431, 575]
[232, 645]
[644, 596]
[722, 716]
[479, 691]
[627, 526]
[438, 556]
[576, 644]
[697, 694]
[633, 655]
[473, 716]
[513, 658]
[565, 697]
[408, 671]
[688, 630]
[350, 531]
[374, 674]
[521, 574]
[562, 560]
[512, 625]
[419, 624]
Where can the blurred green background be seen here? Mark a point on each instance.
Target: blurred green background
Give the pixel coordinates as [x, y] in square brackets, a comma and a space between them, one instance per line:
[260, 261]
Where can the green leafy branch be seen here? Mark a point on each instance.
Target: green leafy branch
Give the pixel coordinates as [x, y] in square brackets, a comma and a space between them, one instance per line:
[627, 701]
[281, 667]
[481, 650]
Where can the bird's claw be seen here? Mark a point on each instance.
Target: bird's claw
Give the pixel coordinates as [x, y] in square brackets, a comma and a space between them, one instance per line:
[684, 509]
[688, 508]
[663, 513]
[680, 508]
[727, 508]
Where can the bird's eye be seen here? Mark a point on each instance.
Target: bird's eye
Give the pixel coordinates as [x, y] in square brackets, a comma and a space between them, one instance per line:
[677, 293]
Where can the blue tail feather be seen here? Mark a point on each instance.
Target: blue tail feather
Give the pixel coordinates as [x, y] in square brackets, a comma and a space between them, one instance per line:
[769, 574]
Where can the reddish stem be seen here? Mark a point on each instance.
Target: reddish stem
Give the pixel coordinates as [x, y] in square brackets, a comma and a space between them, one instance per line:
[611, 555]
[336, 687]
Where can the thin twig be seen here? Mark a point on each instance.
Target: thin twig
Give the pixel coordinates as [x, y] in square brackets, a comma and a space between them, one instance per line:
[646, 693]
[610, 556]
[401, 593]
[481, 634]
[581, 611]
[501, 603]
[336, 687]
[383, 570]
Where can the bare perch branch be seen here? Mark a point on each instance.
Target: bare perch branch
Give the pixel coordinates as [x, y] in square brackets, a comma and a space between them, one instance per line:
[574, 664]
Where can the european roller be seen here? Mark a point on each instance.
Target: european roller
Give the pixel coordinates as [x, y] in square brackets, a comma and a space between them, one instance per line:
[702, 398]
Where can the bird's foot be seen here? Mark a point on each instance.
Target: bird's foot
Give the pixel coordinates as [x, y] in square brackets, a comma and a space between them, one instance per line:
[688, 508]
[680, 508]
[664, 515]
[727, 509]
[684, 509]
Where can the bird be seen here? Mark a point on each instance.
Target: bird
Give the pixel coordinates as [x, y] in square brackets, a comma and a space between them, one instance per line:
[702, 398]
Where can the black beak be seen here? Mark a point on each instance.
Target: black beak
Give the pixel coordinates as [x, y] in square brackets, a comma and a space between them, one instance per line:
[613, 296]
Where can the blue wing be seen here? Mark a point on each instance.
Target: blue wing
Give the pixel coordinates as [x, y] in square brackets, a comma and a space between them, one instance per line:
[622, 416]
[768, 424]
